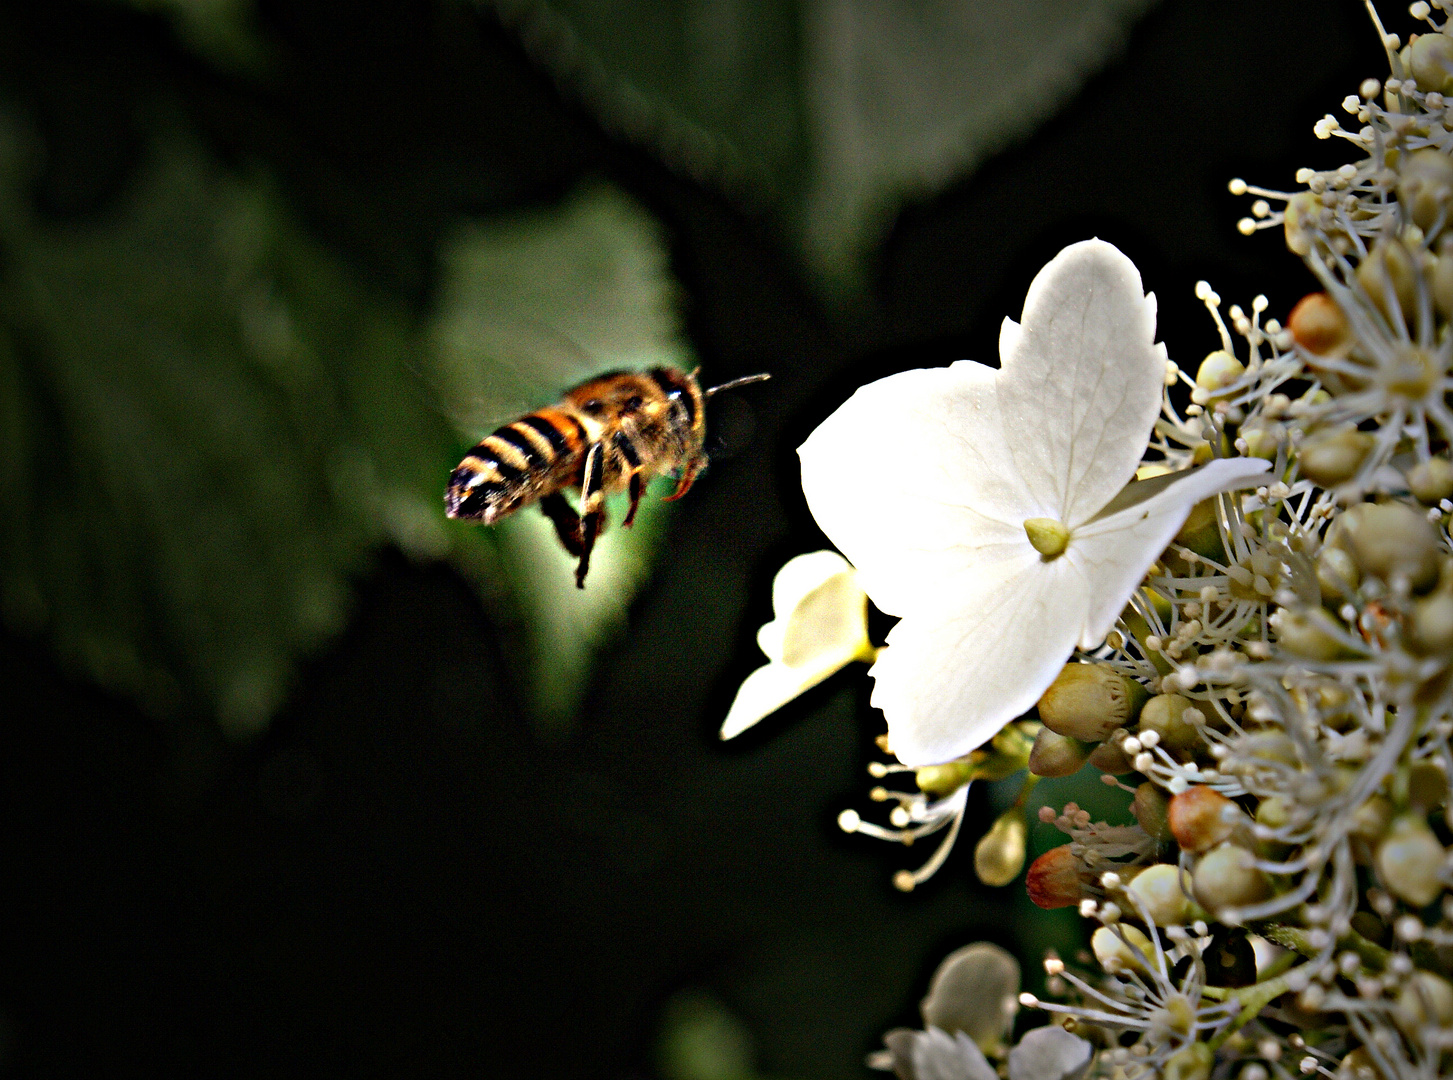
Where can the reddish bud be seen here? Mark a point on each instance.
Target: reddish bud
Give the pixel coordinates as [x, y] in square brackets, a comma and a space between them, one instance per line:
[1053, 880]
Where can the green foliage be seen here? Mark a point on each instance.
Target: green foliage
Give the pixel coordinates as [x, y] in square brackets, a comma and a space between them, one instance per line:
[207, 425]
[832, 112]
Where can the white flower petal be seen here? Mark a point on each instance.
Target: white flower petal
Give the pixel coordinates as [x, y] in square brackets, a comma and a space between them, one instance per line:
[795, 585]
[1049, 1053]
[768, 688]
[1081, 381]
[952, 676]
[958, 503]
[1115, 550]
[940, 1056]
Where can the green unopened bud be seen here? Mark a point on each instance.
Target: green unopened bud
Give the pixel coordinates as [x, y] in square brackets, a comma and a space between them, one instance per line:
[1441, 279]
[1088, 701]
[1432, 625]
[943, 780]
[1332, 458]
[1056, 755]
[1053, 880]
[1201, 817]
[1431, 481]
[1048, 536]
[1337, 574]
[1387, 274]
[1227, 877]
[1310, 634]
[1219, 370]
[1151, 807]
[1423, 785]
[1191, 1062]
[1274, 812]
[1425, 180]
[1409, 860]
[1431, 58]
[1263, 440]
[1425, 1001]
[999, 854]
[1116, 952]
[1158, 889]
[1110, 756]
[1392, 540]
[1166, 715]
[1201, 533]
[1371, 819]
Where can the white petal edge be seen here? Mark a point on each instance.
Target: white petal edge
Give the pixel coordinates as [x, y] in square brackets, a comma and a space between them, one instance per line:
[951, 677]
[1049, 1053]
[1081, 381]
[768, 688]
[1115, 551]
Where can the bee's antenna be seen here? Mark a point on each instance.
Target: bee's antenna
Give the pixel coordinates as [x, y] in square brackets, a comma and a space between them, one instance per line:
[743, 381]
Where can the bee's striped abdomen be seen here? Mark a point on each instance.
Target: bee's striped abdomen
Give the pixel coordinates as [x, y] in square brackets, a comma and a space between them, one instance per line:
[515, 465]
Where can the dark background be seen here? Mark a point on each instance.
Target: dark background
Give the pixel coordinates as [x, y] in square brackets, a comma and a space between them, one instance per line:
[401, 871]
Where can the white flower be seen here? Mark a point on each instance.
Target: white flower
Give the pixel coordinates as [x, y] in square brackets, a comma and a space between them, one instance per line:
[989, 509]
[821, 626]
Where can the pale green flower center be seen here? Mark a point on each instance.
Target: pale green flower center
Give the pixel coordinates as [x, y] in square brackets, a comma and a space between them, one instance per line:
[1048, 536]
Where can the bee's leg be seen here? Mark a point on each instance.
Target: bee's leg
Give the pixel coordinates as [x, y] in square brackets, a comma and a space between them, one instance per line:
[566, 521]
[635, 499]
[688, 477]
[592, 508]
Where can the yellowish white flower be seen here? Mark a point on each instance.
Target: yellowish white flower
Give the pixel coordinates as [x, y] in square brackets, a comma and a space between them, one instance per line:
[821, 626]
[1012, 536]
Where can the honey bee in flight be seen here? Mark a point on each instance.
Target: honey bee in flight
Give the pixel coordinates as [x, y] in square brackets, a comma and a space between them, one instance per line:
[609, 434]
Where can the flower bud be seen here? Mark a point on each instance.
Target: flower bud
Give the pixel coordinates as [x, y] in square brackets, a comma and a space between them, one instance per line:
[1388, 272]
[1274, 812]
[999, 854]
[1309, 634]
[1191, 1062]
[1425, 181]
[1431, 632]
[943, 780]
[1371, 819]
[1359, 1065]
[1110, 756]
[1201, 817]
[1301, 222]
[1318, 326]
[1408, 860]
[1088, 701]
[1337, 574]
[1226, 876]
[1165, 715]
[1423, 784]
[1440, 279]
[1201, 532]
[1158, 888]
[1333, 457]
[1431, 58]
[1151, 808]
[1262, 439]
[1055, 755]
[1053, 880]
[1115, 952]
[1431, 480]
[1425, 999]
[1219, 370]
[1392, 540]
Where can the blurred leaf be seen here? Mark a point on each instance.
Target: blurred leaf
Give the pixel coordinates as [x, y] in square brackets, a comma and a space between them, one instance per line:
[207, 426]
[223, 31]
[834, 112]
[701, 1040]
[529, 307]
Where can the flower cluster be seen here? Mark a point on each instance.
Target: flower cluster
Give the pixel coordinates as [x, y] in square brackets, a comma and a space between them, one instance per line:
[1230, 591]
